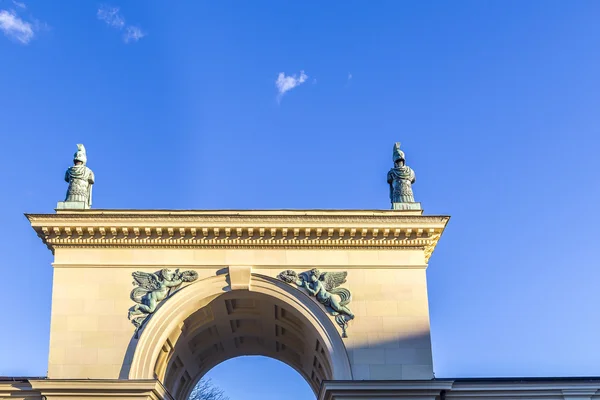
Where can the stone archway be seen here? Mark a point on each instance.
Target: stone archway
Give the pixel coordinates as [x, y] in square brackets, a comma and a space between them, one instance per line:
[207, 323]
[237, 256]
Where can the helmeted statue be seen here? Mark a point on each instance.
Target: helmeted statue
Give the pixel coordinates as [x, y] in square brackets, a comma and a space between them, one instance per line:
[400, 179]
[80, 179]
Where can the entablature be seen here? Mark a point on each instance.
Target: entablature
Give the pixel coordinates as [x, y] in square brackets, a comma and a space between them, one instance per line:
[338, 229]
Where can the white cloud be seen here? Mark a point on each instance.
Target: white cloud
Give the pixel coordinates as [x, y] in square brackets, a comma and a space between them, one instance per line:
[18, 4]
[286, 83]
[16, 28]
[349, 76]
[113, 18]
[133, 34]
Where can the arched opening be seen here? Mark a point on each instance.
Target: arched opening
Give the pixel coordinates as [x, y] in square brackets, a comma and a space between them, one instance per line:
[249, 381]
[207, 323]
[239, 323]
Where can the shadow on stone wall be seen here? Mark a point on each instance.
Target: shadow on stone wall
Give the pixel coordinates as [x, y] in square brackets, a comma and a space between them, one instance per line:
[390, 355]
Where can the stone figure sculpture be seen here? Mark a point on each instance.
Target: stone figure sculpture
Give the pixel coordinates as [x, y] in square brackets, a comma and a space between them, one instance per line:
[325, 288]
[152, 289]
[80, 179]
[400, 179]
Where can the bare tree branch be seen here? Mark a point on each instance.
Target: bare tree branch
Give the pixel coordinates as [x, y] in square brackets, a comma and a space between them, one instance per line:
[206, 390]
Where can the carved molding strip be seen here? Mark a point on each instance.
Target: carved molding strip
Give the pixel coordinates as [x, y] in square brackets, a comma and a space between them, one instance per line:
[237, 237]
[160, 230]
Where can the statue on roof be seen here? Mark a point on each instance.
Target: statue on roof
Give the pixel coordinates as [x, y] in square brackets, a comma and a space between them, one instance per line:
[401, 178]
[80, 179]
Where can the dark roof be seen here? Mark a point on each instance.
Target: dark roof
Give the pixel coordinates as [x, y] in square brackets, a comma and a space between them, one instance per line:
[19, 378]
[524, 379]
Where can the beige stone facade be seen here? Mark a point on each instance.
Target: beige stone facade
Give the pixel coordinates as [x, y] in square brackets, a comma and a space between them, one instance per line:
[234, 253]
[237, 306]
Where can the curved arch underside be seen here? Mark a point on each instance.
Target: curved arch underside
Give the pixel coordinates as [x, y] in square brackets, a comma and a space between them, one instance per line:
[243, 322]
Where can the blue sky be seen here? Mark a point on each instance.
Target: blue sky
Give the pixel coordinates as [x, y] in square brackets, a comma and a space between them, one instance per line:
[496, 104]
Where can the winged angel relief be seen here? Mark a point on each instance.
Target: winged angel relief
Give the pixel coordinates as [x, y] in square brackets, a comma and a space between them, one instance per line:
[152, 288]
[325, 288]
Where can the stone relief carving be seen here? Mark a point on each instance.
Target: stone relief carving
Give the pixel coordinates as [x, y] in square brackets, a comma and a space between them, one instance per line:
[152, 288]
[325, 288]
[80, 179]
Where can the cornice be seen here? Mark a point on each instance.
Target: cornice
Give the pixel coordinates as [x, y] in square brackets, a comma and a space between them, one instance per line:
[247, 216]
[21, 390]
[580, 384]
[94, 388]
[407, 389]
[334, 229]
[530, 388]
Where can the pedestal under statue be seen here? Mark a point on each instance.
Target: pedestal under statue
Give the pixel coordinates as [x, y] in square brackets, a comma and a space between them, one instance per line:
[400, 179]
[80, 179]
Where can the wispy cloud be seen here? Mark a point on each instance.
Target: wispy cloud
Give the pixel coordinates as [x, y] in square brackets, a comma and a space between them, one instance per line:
[286, 83]
[19, 4]
[349, 76]
[113, 18]
[133, 34]
[16, 28]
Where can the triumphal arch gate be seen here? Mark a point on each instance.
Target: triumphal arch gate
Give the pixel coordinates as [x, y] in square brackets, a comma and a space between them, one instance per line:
[340, 296]
[145, 302]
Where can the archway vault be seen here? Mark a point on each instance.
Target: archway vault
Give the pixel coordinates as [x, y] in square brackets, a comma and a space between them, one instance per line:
[213, 320]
